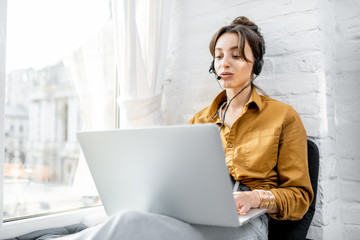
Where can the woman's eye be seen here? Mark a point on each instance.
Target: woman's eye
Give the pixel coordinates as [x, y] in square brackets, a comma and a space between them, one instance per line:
[236, 56]
[218, 57]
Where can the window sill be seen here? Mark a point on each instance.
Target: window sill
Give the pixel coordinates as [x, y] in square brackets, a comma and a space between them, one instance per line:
[24, 226]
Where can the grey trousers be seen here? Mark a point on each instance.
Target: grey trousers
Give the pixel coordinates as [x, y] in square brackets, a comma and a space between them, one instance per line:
[131, 225]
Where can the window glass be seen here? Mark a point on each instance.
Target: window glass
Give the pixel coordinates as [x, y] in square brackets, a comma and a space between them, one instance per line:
[60, 79]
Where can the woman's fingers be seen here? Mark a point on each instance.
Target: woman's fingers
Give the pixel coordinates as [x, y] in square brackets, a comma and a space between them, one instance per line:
[244, 201]
[242, 210]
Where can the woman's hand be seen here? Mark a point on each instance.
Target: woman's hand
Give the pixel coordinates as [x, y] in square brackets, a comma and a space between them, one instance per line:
[246, 200]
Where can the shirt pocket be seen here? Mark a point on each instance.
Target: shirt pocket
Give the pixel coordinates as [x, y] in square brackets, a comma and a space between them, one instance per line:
[261, 150]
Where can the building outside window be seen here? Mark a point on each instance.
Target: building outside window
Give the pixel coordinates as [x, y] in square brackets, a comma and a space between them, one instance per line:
[48, 101]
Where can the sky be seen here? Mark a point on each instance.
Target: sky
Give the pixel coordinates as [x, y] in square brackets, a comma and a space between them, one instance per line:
[40, 32]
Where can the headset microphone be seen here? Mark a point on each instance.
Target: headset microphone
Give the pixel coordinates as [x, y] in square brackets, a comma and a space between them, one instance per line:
[212, 70]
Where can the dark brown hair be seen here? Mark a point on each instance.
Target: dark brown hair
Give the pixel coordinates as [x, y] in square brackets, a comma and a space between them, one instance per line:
[247, 31]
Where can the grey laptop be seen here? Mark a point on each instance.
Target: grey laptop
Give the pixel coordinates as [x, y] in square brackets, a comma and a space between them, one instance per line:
[178, 171]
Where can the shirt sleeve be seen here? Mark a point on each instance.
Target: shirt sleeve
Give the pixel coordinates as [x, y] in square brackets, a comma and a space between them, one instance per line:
[294, 193]
[192, 120]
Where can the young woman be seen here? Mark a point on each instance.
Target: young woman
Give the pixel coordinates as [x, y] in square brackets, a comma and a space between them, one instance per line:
[264, 140]
[265, 148]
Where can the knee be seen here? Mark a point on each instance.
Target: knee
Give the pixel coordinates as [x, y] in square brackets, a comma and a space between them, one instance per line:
[129, 215]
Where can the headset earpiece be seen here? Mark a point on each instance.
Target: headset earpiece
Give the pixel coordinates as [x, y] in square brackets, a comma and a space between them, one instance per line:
[258, 63]
[212, 68]
[257, 66]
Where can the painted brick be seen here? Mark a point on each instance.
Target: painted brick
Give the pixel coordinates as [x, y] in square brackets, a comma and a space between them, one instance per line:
[305, 104]
[307, 5]
[331, 215]
[331, 231]
[314, 233]
[329, 171]
[312, 63]
[349, 169]
[350, 191]
[346, 89]
[291, 23]
[351, 214]
[292, 83]
[302, 63]
[313, 125]
[351, 232]
[348, 136]
[317, 221]
[344, 12]
[329, 191]
[280, 43]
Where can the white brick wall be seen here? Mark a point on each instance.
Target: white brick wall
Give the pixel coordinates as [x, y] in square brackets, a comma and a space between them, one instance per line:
[312, 62]
[347, 113]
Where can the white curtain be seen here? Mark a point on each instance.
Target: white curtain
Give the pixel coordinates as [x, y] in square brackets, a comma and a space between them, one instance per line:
[92, 70]
[141, 29]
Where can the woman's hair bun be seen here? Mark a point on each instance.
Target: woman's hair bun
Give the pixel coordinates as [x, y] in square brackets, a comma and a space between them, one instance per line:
[245, 22]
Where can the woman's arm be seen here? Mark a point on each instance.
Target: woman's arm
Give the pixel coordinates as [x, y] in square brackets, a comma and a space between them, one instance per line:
[294, 194]
[255, 199]
[291, 199]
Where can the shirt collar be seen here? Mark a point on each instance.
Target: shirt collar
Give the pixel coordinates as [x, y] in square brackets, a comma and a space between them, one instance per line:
[221, 97]
[212, 112]
[255, 98]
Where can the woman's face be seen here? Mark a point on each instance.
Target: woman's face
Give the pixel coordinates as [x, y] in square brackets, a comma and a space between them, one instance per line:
[235, 72]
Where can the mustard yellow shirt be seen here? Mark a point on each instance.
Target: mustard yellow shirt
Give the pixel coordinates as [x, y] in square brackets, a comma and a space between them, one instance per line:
[266, 148]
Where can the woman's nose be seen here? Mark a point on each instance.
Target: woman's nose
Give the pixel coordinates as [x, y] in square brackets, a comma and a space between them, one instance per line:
[225, 62]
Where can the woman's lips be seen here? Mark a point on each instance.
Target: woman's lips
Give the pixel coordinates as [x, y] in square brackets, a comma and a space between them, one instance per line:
[226, 75]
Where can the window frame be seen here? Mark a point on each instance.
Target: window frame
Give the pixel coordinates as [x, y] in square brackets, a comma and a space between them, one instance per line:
[3, 16]
[17, 228]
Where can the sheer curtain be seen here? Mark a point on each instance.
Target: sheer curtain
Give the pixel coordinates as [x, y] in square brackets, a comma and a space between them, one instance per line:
[92, 70]
[141, 29]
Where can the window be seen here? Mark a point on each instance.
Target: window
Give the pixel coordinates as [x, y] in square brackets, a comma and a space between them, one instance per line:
[59, 80]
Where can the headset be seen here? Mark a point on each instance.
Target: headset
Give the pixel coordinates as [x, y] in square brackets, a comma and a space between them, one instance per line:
[257, 67]
[258, 64]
